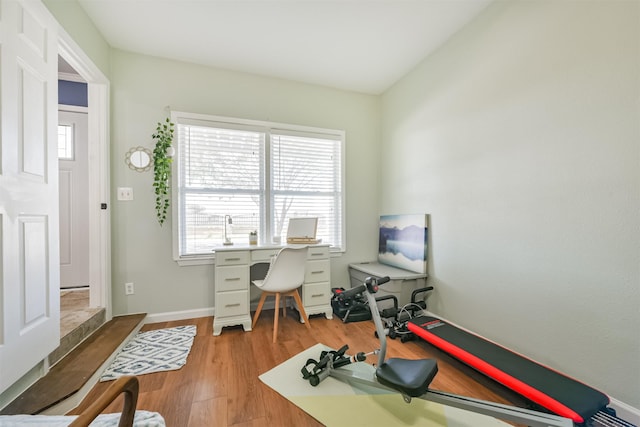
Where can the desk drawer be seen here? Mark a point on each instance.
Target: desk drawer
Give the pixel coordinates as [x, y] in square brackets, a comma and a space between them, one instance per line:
[315, 294]
[317, 271]
[234, 303]
[232, 257]
[232, 278]
[318, 252]
[264, 255]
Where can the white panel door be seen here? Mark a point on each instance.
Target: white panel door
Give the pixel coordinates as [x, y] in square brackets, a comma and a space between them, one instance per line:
[74, 201]
[29, 253]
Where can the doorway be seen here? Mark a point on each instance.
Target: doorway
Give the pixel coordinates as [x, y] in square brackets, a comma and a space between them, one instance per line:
[78, 316]
[86, 291]
[76, 311]
[73, 172]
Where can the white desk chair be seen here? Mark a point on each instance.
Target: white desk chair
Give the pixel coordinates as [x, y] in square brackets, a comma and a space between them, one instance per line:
[285, 276]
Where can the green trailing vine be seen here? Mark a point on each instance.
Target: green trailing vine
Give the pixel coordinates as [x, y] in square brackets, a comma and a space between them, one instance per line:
[162, 168]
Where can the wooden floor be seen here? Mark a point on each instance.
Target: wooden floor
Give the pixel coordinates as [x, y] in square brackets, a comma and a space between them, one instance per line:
[219, 385]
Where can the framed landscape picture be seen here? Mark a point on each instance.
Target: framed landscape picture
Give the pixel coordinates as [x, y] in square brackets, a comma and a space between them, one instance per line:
[403, 241]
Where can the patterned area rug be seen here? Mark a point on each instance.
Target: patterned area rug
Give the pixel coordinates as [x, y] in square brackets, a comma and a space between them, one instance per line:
[153, 351]
[334, 403]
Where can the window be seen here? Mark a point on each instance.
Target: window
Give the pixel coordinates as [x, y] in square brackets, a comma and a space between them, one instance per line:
[238, 176]
[65, 142]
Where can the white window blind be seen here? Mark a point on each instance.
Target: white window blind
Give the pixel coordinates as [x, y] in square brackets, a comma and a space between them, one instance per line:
[221, 175]
[237, 178]
[307, 182]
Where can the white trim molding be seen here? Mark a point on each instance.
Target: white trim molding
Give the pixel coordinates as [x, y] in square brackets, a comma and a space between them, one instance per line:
[73, 108]
[68, 77]
[626, 412]
[179, 315]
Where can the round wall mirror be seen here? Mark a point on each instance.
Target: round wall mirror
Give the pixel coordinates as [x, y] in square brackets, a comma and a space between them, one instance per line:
[138, 159]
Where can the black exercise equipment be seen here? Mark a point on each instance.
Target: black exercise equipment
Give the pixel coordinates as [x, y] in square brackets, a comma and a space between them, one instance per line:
[395, 318]
[411, 378]
[349, 307]
[541, 385]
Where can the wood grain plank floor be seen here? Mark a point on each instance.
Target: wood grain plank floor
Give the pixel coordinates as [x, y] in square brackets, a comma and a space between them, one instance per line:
[219, 385]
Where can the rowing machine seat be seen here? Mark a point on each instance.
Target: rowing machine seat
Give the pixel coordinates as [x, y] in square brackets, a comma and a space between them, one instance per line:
[410, 377]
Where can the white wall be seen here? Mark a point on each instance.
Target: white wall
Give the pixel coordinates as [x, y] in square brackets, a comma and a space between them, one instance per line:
[77, 24]
[521, 138]
[141, 89]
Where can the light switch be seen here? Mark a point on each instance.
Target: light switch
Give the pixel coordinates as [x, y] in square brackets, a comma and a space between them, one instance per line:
[125, 193]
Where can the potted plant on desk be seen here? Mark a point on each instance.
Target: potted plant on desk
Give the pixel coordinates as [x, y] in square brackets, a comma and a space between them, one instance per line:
[253, 237]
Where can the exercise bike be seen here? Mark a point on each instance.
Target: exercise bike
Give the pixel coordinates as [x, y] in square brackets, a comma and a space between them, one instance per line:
[410, 378]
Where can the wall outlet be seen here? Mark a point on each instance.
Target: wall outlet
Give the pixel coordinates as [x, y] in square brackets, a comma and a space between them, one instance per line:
[128, 289]
[125, 193]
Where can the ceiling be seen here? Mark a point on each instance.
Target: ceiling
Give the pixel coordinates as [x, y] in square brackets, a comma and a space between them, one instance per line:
[357, 45]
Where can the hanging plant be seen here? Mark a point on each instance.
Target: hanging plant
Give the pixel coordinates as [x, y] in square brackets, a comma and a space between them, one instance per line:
[162, 154]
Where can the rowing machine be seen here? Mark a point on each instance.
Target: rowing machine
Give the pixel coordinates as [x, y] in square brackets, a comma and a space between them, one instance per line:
[411, 378]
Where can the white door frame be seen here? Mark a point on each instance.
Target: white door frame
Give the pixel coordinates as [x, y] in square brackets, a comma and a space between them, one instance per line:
[99, 177]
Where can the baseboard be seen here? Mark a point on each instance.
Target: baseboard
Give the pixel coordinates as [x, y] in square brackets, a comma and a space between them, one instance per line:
[199, 312]
[179, 315]
[626, 412]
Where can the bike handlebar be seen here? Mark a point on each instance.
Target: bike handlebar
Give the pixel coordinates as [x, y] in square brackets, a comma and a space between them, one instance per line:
[370, 283]
[382, 280]
[349, 293]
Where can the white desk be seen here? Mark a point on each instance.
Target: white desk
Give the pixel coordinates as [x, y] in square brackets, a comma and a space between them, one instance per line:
[402, 282]
[232, 283]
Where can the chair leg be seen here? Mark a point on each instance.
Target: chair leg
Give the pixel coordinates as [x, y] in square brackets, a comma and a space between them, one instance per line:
[259, 309]
[303, 313]
[275, 318]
